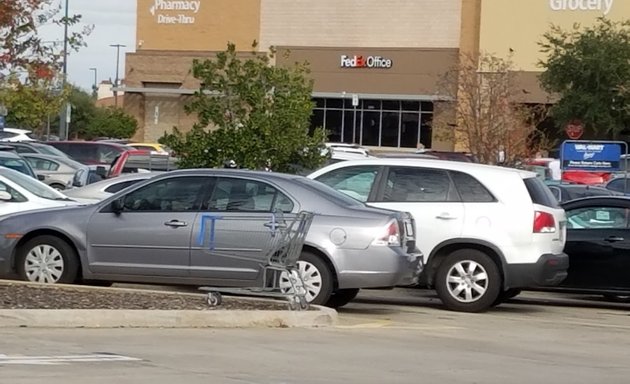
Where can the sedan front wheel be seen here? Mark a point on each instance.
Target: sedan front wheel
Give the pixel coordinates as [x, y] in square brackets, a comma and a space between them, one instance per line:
[47, 259]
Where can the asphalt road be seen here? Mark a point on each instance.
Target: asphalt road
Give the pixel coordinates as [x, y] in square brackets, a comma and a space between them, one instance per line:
[385, 337]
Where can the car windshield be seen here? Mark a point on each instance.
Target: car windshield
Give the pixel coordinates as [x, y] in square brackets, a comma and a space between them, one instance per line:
[17, 164]
[50, 150]
[330, 193]
[33, 186]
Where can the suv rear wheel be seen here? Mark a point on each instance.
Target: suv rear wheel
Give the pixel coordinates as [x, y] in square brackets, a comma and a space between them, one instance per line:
[468, 280]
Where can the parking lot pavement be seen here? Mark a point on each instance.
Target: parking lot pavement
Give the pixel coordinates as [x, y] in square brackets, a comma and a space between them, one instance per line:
[384, 337]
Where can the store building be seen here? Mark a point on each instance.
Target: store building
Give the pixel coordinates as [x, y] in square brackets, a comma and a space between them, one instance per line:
[375, 64]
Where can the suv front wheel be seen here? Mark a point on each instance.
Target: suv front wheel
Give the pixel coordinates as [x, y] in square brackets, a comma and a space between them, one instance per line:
[468, 280]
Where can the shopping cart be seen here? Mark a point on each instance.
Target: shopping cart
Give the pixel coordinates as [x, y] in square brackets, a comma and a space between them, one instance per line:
[282, 238]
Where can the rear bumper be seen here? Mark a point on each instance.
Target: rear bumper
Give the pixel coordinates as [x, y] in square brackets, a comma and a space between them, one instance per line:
[382, 267]
[549, 270]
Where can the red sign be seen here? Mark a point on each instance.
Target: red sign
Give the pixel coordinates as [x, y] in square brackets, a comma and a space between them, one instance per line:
[574, 129]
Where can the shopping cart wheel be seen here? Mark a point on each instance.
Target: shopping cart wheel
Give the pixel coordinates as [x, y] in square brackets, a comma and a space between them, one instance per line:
[214, 299]
[303, 303]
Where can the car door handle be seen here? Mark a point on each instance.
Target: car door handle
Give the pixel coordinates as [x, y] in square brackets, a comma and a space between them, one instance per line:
[275, 225]
[614, 239]
[445, 216]
[176, 223]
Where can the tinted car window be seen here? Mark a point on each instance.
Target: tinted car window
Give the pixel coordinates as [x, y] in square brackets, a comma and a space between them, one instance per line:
[23, 149]
[242, 195]
[470, 189]
[540, 193]
[355, 182]
[120, 186]
[177, 194]
[19, 165]
[597, 218]
[414, 184]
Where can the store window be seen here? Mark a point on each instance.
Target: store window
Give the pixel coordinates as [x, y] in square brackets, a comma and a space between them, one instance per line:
[378, 123]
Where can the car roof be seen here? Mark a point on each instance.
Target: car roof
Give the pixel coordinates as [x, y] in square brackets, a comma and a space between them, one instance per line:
[434, 163]
[234, 172]
[10, 154]
[618, 201]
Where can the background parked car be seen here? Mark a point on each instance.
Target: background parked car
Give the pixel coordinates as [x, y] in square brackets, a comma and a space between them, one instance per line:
[10, 159]
[568, 192]
[35, 147]
[58, 172]
[103, 189]
[15, 134]
[19, 193]
[153, 148]
[484, 230]
[620, 184]
[148, 234]
[91, 152]
[598, 244]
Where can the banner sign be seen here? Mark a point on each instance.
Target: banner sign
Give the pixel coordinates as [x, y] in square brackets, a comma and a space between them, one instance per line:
[585, 156]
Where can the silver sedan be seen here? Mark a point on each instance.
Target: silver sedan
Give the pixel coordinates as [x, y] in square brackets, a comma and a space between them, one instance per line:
[148, 234]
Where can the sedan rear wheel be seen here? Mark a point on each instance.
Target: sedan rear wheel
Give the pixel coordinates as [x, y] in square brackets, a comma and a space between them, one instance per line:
[47, 259]
[318, 282]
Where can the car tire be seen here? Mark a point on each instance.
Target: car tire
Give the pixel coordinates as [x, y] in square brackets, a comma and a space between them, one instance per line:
[341, 297]
[506, 295]
[54, 259]
[317, 276]
[463, 290]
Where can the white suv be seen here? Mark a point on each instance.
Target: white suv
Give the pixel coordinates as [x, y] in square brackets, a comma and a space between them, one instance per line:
[485, 231]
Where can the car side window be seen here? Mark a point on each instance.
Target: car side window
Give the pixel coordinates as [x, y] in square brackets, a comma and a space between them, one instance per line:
[16, 197]
[242, 195]
[21, 149]
[598, 218]
[42, 164]
[356, 182]
[617, 185]
[470, 189]
[416, 184]
[106, 154]
[120, 186]
[556, 193]
[178, 194]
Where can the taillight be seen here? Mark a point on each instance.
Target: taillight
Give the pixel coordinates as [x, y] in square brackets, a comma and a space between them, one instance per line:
[544, 222]
[390, 235]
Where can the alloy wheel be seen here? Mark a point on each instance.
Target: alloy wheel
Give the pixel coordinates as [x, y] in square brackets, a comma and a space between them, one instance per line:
[44, 264]
[467, 281]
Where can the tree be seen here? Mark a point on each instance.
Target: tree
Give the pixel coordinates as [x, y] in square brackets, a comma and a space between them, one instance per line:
[111, 122]
[21, 49]
[251, 112]
[30, 104]
[483, 113]
[589, 70]
[83, 112]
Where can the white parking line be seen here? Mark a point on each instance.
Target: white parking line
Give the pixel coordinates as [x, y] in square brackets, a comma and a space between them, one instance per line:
[59, 360]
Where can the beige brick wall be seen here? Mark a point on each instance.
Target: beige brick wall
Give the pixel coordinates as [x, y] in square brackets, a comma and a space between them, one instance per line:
[361, 23]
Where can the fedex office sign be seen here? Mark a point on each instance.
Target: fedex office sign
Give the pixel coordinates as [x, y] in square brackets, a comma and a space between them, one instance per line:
[365, 62]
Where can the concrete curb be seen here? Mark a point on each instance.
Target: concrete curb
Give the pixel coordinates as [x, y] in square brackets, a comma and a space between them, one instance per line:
[317, 316]
[104, 318]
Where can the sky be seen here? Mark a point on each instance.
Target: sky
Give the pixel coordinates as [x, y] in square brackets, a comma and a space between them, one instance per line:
[114, 22]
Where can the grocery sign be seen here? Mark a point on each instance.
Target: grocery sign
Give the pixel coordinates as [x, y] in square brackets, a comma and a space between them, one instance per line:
[591, 156]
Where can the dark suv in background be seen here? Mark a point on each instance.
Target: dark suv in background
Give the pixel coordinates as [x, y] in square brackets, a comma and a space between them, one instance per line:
[91, 152]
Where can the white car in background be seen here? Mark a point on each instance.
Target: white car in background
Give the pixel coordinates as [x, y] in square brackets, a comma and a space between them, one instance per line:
[19, 193]
[105, 188]
[15, 134]
[485, 231]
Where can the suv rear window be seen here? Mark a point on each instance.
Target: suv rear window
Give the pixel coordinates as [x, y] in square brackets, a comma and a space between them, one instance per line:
[540, 193]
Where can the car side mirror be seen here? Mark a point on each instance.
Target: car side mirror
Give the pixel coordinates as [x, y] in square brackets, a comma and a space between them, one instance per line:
[41, 177]
[5, 196]
[118, 205]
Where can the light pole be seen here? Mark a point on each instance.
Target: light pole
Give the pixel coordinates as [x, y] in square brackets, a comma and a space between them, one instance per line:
[117, 46]
[95, 86]
[63, 128]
